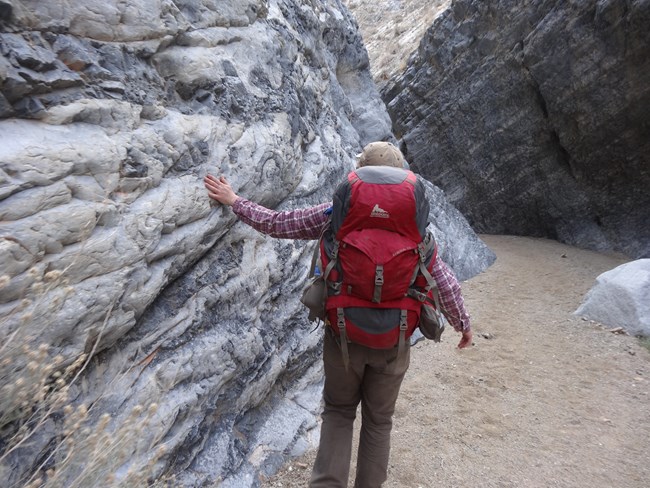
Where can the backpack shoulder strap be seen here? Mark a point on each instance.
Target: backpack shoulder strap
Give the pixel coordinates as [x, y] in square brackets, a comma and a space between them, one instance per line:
[316, 253]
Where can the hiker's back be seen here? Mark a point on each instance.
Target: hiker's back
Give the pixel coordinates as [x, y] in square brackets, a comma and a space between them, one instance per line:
[374, 255]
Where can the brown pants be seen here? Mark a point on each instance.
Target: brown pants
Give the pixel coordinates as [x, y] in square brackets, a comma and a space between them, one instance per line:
[373, 378]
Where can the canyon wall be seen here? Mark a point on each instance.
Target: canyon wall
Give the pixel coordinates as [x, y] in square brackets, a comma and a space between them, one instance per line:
[532, 116]
[156, 309]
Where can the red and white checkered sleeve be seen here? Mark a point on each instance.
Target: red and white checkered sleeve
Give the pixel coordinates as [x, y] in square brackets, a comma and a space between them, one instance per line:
[451, 297]
[304, 223]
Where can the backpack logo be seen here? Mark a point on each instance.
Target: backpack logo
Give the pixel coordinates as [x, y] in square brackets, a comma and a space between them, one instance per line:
[377, 211]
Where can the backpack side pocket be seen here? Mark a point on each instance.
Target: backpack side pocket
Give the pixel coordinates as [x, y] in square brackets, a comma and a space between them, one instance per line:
[314, 297]
[431, 323]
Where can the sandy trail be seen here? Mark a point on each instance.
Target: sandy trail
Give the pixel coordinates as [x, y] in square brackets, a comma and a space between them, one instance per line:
[543, 399]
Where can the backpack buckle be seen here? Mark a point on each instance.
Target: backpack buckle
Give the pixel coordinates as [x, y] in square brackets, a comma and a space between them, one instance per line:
[379, 275]
[335, 286]
[335, 250]
[416, 294]
[422, 252]
[379, 281]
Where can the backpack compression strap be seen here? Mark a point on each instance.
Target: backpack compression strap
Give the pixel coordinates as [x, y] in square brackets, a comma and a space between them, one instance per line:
[343, 338]
[403, 325]
[431, 283]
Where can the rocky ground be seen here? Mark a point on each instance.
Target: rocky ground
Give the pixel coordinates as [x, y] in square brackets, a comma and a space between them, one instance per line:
[543, 399]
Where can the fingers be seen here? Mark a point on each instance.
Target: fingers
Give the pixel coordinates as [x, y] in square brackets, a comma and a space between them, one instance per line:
[214, 181]
[212, 190]
[213, 184]
[211, 180]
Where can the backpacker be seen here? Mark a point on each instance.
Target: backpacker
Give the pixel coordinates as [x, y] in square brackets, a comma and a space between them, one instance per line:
[377, 258]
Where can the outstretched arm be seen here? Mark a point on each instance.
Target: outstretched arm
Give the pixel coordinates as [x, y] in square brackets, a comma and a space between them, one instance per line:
[302, 223]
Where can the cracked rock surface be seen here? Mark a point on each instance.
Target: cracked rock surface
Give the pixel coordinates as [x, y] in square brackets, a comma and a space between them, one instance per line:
[532, 117]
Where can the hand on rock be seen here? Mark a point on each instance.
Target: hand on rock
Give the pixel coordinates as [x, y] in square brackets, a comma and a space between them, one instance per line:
[219, 190]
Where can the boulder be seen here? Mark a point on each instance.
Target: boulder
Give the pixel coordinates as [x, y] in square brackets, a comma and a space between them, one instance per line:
[621, 298]
[531, 116]
[458, 245]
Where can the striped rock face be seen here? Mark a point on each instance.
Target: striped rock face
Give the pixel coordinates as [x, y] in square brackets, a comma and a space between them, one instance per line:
[112, 259]
[532, 118]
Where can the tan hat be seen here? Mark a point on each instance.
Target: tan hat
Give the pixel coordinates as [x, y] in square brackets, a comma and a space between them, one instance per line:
[381, 154]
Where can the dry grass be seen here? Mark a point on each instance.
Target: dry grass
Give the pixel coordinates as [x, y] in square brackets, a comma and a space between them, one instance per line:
[88, 448]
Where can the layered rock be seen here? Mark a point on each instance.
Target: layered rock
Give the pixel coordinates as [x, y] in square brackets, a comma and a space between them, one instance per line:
[532, 116]
[112, 113]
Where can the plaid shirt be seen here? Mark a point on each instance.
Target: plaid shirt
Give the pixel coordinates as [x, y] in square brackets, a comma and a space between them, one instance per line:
[308, 223]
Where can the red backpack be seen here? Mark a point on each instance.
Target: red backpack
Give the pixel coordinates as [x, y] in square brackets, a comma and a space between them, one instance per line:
[377, 257]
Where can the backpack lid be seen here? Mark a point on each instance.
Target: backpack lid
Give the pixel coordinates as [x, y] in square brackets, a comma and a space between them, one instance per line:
[382, 197]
